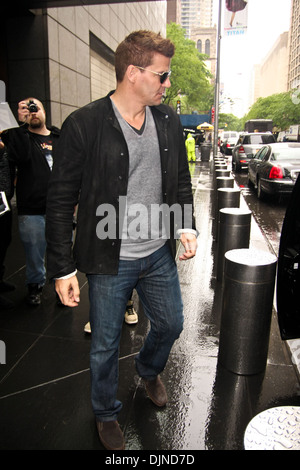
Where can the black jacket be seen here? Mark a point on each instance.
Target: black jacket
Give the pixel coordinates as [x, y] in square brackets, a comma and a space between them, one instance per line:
[92, 168]
[33, 171]
[7, 174]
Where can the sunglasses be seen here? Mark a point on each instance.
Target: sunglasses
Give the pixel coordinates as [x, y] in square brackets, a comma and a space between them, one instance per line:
[162, 75]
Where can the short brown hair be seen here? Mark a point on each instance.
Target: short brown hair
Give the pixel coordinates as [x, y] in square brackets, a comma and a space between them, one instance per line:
[138, 48]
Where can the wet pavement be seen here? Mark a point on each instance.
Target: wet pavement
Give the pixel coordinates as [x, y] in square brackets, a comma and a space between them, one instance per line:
[45, 383]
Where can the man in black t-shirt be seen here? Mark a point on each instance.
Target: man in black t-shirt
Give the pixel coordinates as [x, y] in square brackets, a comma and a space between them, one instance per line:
[30, 148]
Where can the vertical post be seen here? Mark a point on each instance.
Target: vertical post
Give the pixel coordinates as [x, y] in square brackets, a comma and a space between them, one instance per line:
[217, 86]
[248, 293]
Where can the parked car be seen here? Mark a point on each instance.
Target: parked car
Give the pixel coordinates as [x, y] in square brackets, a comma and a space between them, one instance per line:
[247, 147]
[225, 135]
[288, 272]
[228, 145]
[275, 168]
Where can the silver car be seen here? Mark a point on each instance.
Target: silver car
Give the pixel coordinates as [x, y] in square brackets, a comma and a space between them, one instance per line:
[247, 147]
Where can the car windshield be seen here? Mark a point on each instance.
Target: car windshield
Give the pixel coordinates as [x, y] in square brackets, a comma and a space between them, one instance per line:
[286, 154]
[229, 135]
[259, 139]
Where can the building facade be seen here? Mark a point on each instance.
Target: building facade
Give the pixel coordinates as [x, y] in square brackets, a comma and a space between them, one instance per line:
[206, 43]
[197, 20]
[275, 64]
[174, 11]
[282, 62]
[65, 56]
[294, 50]
[195, 14]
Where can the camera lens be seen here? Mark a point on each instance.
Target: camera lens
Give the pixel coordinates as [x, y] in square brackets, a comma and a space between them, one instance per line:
[32, 107]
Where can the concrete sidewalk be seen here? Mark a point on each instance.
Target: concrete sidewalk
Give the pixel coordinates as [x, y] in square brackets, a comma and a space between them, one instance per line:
[45, 383]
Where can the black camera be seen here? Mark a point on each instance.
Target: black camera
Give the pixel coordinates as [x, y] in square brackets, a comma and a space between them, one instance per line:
[32, 107]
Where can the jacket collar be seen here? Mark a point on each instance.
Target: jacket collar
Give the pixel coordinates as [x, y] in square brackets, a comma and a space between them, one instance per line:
[160, 110]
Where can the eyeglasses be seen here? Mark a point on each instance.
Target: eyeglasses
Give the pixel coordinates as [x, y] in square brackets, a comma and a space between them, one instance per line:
[162, 75]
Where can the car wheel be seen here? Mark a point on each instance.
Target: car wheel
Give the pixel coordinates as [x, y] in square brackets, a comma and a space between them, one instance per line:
[260, 192]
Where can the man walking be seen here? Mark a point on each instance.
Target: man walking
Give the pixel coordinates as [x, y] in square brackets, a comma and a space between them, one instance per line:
[124, 147]
[30, 148]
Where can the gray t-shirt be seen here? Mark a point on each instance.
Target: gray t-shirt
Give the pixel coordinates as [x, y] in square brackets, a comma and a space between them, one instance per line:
[143, 232]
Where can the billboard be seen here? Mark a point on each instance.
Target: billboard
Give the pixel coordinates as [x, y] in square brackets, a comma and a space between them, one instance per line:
[235, 17]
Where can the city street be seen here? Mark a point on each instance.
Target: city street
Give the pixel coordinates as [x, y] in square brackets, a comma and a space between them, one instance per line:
[45, 384]
[269, 214]
[232, 62]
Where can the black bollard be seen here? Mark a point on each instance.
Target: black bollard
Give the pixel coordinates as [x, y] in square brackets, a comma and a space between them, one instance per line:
[234, 233]
[220, 166]
[224, 182]
[220, 162]
[226, 197]
[222, 173]
[248, 292]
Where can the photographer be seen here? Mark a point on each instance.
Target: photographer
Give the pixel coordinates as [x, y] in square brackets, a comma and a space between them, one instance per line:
[30, 148]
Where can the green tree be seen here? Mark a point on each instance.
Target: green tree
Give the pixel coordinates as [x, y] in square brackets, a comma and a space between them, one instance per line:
[282, 108]
[190, 78]
[230, 122]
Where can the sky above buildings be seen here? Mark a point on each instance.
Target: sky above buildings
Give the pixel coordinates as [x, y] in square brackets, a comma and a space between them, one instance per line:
[267, 19]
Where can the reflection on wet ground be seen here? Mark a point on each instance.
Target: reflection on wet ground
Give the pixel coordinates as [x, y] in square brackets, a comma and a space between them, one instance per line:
[268, 213]
[44, 386]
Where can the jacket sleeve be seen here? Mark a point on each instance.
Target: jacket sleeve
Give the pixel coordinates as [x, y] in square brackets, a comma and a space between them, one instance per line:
[185, 193]
[62, 198]
[18, 144]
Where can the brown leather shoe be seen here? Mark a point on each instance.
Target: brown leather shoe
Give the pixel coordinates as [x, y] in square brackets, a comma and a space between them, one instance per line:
[156, 391]
[110, 435]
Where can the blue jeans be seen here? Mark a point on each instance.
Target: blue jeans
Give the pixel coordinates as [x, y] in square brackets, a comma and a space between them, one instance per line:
[155, 279]
[32, 234]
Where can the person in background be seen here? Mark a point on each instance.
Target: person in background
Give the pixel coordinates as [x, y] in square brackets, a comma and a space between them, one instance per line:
[123, 152]
[131, 316]
[31, 149]
[190, 145]
[7, 173]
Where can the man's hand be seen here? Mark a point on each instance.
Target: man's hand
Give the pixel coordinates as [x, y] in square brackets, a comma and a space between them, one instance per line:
[23, 111]
[68, 291]
[189, 242]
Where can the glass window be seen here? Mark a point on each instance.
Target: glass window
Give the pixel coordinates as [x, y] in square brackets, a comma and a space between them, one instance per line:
[207, 47]
[287, 154]
[257, 139]
[262, 153]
